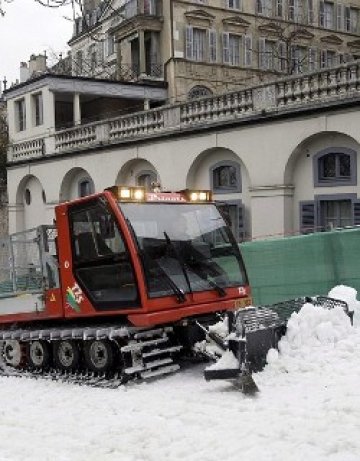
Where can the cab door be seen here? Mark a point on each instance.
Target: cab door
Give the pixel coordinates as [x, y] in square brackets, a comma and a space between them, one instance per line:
[101, 261]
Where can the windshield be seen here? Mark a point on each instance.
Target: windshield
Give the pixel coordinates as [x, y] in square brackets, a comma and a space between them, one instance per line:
[186, 246]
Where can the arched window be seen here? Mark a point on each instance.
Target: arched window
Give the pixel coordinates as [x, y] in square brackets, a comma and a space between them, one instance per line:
[225, 177]
[86, 187]
[27, 196]
[145, 179]
[199, 91]
[335, 166]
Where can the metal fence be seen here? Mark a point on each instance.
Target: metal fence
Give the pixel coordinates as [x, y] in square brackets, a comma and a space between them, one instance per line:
[28, 262]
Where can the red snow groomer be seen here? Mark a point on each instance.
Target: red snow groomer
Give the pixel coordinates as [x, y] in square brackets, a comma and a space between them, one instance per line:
[125, 285]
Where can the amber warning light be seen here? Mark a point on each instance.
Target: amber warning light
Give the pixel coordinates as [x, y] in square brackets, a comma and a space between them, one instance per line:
[139, 194]
[128, 194]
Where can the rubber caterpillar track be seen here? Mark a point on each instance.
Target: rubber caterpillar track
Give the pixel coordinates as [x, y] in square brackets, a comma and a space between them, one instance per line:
[97, 356]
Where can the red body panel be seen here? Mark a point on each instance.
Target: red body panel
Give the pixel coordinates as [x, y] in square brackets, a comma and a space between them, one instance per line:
[150, 312]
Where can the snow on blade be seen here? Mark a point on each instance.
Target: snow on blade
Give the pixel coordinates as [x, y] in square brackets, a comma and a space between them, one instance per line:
[227, 361]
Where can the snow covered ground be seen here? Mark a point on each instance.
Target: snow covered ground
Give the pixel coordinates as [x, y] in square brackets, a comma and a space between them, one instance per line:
[308, 408]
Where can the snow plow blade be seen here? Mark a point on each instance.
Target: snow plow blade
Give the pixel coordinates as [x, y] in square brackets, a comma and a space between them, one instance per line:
[252, 333]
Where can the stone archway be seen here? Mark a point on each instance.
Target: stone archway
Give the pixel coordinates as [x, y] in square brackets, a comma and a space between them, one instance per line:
[137, 172]
[76, 183]
[30, 203]
[301, 172]
[233, 194]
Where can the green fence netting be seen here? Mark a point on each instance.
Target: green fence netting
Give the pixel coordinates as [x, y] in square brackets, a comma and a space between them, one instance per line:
[306, 265]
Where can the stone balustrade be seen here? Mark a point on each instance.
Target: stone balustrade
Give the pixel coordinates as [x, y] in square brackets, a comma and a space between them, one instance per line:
[27, 149]
[301, 92]
[75, 138]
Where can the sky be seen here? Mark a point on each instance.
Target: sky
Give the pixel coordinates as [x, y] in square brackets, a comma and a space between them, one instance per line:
[28, 28]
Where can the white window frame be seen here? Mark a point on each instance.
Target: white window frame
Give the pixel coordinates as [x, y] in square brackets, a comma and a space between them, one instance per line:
[266, 58]
[212, 43]
[234, 4]
[193, 50]
[248, 50]
[38, 108]
[326, 14]
[20, 114]
[264, 7]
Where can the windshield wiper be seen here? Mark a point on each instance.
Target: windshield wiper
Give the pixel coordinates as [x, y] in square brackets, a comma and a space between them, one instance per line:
[179, 293]
[179, 259]
[216, 287]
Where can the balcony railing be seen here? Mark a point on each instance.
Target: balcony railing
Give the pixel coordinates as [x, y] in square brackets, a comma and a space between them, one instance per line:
[134, 8]
[132, 71]
[282, 96]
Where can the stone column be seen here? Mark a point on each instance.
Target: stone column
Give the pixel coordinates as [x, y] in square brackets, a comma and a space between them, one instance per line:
[49, 114]
[77, 109]
[146, 104]
[142, 53]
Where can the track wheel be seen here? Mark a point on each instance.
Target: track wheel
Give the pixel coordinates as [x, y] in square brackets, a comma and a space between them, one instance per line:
[67, 355]
[99, 355]
[14, 353]
[39, 354]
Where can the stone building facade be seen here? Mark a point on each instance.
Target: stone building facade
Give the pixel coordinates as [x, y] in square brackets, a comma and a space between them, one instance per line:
[281, 157]
[207, 47]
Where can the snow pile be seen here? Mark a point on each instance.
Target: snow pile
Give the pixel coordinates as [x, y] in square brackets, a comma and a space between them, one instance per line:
[348, 295]
[316, 335]
[308, 407]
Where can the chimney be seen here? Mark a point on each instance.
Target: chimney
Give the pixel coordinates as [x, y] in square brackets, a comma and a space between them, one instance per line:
[37, 64]
[89, 5]
[24, 72]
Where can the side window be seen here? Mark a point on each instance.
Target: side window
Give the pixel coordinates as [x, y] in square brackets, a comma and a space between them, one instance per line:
[95, 235]
[335, 166]
[102, 263]
[225, 178]
[86, 187]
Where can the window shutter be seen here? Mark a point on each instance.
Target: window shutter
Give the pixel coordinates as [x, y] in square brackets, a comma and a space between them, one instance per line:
[262, 53]
[310, 11]
[100, 52]
[212, 45]
[323, 59]
[307, 217]
[312, 58]
[291, 11]
[241, 218]
[281, 63]
[189, 42]
[226, 54]
[258, 6]
[347, 19]
[248, 51]
[321, 14]
[356, 212]
[106, 47]
[339, 17]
